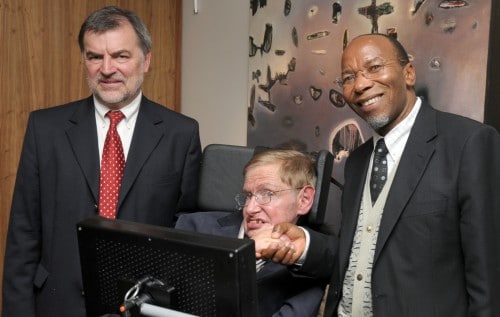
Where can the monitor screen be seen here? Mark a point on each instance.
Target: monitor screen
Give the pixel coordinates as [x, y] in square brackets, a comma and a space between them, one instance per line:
[189, 272]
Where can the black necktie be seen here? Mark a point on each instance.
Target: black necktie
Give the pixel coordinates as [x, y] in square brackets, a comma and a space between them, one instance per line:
[379, 170]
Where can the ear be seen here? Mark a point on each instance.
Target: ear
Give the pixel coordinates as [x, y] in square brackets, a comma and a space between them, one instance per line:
[410, 75]
[147, 62]
[305, 199]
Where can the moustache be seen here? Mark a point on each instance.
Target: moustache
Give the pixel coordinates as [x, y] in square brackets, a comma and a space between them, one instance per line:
[110, 78]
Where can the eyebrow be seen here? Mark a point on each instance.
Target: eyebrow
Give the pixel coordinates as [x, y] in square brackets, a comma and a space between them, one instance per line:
[375, 59]
[367, 62]
[113, 54]
[91, 53]
[121, 52]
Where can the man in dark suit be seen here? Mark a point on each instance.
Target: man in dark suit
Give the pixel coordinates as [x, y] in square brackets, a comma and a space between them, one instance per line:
[278, 187]
[429, 244]
[58, 179]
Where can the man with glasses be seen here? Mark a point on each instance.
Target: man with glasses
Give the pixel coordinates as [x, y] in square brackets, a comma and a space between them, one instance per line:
[420, 213]
[278, 187]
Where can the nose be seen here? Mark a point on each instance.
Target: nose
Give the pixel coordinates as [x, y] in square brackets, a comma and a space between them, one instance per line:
[108, 66]
[361, 83]
[252, 206]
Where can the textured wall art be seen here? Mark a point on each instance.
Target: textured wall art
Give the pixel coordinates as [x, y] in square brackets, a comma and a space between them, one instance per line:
[295, 50]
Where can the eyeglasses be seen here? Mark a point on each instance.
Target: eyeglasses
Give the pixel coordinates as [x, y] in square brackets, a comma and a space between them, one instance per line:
[262, 197]
[372, 70]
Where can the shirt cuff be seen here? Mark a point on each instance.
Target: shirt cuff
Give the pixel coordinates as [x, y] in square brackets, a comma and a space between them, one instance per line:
[298, 264]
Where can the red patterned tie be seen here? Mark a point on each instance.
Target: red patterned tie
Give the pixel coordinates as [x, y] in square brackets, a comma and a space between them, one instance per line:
[112, 165]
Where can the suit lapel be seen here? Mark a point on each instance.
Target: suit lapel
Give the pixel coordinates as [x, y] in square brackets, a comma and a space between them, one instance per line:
[146, 137]
[82, 136]
[230, 224]
[417, 153]
[351, 199]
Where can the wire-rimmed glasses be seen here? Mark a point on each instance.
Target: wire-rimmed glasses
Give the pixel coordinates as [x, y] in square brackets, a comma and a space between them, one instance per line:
[262, 197]
[371, 70]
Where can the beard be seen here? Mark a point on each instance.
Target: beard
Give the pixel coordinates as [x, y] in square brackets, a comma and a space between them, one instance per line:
[116, 98]
[378, 122]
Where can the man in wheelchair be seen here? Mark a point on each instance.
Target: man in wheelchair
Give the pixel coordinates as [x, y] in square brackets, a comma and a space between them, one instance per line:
[279, 186]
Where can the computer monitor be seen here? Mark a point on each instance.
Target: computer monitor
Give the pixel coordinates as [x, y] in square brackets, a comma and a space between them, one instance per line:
[189, 272]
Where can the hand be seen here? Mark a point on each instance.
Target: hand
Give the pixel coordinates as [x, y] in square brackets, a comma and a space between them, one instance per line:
[263, 239]
[291, 245]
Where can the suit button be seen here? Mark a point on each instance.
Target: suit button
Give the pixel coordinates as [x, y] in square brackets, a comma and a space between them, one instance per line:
[369, 228]
[359, 277]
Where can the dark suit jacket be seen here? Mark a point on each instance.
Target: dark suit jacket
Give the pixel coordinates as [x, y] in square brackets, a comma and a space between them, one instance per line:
[57, 186]
[280, 293]
[438, 247]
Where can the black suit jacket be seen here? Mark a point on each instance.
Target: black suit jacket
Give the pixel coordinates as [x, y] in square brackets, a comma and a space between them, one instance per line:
[280, 293]
[57, 186]
[438, 246]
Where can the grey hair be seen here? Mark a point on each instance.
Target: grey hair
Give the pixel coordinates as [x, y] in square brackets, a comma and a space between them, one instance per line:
[111, 17]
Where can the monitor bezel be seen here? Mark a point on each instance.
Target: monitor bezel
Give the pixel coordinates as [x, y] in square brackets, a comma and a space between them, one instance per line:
[235, 281]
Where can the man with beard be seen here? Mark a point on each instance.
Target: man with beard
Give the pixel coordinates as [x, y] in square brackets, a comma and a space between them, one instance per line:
[420, 213]
[115, 154]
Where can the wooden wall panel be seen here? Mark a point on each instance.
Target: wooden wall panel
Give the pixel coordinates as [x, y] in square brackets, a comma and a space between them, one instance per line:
[40, 66]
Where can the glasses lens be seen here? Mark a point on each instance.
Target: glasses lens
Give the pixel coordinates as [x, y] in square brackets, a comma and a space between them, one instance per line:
[242, 199]
[339, 82]
[263, 197]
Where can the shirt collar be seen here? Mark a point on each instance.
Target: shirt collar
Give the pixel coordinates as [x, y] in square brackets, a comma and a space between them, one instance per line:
[128, 111]
[399, 134]
[241, 233]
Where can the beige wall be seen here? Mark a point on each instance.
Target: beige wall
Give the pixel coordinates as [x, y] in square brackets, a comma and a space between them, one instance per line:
[215, 68]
